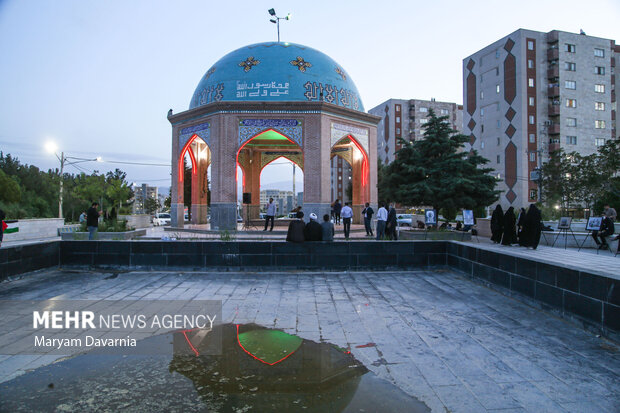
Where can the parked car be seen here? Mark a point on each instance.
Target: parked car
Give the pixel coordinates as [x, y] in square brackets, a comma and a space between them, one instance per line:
[163, 218]
[405, 220]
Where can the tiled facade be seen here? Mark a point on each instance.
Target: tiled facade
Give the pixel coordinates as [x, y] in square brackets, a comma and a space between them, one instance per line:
[531, 93]
[405, 119]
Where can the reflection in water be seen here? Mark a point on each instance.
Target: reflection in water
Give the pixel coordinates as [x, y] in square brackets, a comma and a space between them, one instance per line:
[258, 370]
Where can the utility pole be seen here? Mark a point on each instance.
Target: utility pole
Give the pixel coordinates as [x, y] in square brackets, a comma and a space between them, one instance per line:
[62, 166]
[276, 20]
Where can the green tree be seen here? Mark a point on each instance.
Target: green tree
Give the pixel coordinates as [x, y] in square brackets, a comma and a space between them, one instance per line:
[117, 189]
[9, 189]
[151, 205]
[560, 178]
[434, 171]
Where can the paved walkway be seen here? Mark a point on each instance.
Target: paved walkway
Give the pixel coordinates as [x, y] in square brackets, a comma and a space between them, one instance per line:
[452, 343]
[604, 263]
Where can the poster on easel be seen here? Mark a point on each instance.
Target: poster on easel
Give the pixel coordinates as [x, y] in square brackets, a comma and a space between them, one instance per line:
[594, 224]
[565, 222]
[430, 217]
[468, 217]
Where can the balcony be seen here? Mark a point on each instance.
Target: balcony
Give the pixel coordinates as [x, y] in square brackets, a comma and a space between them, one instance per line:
[554, 110]
[553, 54]
[554, 146]
[553, 91]
[553, 71]
[554, 129]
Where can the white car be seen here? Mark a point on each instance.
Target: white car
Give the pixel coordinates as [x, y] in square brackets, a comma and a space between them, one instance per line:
[405, 220]
[161, 219]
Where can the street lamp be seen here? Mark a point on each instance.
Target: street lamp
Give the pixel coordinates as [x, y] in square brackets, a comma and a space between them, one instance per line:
[52, 148]
[276, 20]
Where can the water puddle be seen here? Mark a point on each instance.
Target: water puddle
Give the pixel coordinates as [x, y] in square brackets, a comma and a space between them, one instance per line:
[258, 370]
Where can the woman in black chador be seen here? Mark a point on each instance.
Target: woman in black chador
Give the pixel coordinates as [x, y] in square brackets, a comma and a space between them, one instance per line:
[497, 224]
[532, 227]
[510, 234]
[520, 221]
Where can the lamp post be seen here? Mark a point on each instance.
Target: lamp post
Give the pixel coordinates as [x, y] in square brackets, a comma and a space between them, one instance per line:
[51, 147]
[276, 20]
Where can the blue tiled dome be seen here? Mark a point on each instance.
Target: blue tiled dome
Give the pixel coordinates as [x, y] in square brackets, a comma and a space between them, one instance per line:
[277, 72]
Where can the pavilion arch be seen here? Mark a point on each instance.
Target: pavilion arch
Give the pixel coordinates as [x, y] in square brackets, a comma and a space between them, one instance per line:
[259, 151]
[350, 149]
[199, 155]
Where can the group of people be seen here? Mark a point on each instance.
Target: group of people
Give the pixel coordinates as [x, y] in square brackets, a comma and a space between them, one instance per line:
[299, 231]
[524, 230]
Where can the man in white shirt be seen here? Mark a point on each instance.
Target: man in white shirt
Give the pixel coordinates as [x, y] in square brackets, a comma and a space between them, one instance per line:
[271, 213]
[382, 215]
[346, 214]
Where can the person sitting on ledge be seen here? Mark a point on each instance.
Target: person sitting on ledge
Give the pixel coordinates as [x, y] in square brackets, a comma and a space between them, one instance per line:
[296, 229]
[313, 230]
[328, 229]
[607, 229]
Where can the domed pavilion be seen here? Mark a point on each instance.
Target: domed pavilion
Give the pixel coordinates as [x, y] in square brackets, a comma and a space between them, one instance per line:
[260, 103]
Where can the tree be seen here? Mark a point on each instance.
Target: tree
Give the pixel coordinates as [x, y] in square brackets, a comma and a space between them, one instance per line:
[118, 189]
[560, 178]
[151, 205]
[9, 189]
[435, 172]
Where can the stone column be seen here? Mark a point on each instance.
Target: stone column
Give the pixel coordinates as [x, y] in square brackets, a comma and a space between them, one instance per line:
[176, 187]
[317, 171]
[223, 171]
[359, 197]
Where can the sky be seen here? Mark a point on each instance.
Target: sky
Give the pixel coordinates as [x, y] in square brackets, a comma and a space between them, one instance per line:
[98, 77]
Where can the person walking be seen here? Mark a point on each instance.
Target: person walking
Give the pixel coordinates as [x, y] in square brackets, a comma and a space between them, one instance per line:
[382, 216]
[390, 224]
[347, 216]
[532, 227]
[270, 208]
[607, 229]
[92, 220]
[313, 230]
[327, 228]
[337, 211]
[497, 224]
[367, 213]
[296, 229]
[510, 232]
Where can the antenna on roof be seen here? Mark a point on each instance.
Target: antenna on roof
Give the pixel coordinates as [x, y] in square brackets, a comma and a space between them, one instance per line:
[276, 20]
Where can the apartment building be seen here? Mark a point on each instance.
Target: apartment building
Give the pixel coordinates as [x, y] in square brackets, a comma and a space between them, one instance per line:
[405, 118]
[532, 93]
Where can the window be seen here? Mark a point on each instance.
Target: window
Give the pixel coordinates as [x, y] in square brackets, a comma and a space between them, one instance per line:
[530, 82]
[498, 161]
[397, 119]
[497, 71]
[570, 84]
[533, 194]
[531, 119]
[482, 145]
[532, 156]
[444, 112]
[571, 140]
[599, 52]
[481, 95]
[530, 64]
[497, 106]
[531, 100]
[570, 48]
[497, 54]
[532, 138]
[599, 124]
[481, 111]
[571, 103]
[599, 70]
[599, 141]
[398, 131]
[570, 66]
[481, 128]
[599, 88]
[423, 110]
[423, 121]
[530, 45]
[571, 121]
[499, 141]
[599, 106]
[497, 88]
[498, 124]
